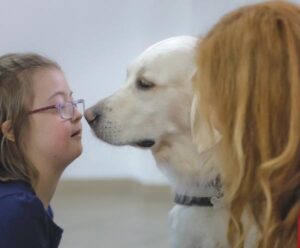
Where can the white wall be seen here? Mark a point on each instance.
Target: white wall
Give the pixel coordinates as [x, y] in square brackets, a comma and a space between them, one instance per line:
[93, 40]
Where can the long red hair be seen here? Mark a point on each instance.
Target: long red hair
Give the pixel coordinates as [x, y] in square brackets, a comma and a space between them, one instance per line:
[249, 78]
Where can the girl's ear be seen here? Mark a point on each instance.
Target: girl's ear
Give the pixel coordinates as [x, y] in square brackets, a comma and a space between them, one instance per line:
[7, 131]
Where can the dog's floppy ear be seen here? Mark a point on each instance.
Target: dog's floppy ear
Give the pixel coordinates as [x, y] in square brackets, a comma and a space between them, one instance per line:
[204, 134]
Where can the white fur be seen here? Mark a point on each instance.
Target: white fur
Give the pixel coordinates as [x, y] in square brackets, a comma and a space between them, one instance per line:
[162, 114]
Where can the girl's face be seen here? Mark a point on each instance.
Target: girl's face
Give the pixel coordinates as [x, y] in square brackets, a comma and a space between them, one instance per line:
[52, 140]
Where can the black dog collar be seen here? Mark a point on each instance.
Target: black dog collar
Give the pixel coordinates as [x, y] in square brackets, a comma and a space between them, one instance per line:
[209, 201]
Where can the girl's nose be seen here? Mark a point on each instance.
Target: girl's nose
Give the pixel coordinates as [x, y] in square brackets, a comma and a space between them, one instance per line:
[77, 114]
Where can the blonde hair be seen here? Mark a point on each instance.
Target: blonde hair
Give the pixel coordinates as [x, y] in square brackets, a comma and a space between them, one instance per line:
[249, 78]
[16, 96]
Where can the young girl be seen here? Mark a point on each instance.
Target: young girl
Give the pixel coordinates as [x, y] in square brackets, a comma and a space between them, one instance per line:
[40, 135]
[249, 87]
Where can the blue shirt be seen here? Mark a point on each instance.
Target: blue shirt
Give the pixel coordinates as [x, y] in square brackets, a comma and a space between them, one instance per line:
[24, 223]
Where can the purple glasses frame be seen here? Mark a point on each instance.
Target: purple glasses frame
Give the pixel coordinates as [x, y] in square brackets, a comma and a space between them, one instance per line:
[60, 107]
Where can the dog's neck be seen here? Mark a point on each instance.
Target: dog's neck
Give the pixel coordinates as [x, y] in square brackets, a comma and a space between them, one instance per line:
[191, 172]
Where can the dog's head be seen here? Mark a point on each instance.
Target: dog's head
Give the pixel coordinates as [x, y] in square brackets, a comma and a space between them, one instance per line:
[156, 99]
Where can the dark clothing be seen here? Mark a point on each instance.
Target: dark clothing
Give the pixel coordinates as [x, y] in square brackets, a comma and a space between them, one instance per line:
[298, 231]
[24, 223]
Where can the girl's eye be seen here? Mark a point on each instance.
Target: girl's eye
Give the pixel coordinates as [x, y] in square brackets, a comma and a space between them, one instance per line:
[144, 84]
[60, 104]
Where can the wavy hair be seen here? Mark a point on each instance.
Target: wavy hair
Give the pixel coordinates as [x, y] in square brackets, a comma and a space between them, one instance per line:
[16, 96]
[248, 83]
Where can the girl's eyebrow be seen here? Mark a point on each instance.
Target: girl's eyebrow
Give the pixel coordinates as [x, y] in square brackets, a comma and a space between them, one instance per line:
[58, 93]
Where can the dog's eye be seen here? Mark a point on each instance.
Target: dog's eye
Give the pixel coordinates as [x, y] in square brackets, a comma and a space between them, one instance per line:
[144, 84]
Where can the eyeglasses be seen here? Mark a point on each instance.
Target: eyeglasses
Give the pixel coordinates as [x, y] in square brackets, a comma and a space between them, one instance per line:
[66, 109]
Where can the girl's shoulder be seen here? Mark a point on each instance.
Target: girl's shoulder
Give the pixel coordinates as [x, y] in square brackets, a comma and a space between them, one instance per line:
[23, 219]
[18, 200]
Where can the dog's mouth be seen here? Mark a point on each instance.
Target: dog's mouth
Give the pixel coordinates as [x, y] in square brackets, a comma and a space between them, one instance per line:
[147, 143]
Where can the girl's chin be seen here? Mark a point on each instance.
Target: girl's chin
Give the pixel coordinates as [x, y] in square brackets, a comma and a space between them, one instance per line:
[76, 154]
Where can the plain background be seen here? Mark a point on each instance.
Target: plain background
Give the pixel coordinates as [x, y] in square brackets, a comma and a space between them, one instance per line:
[93, 41]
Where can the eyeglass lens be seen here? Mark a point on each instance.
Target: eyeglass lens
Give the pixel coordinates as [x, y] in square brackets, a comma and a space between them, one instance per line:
[69, 108]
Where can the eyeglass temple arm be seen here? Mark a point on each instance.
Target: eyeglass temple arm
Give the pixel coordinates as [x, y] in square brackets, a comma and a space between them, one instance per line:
[41, 109]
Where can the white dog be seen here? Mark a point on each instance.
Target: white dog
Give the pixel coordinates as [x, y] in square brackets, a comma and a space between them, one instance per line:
[153, 111]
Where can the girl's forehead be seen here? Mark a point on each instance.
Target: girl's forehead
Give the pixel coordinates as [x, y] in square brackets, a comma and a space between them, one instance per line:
[48, 83]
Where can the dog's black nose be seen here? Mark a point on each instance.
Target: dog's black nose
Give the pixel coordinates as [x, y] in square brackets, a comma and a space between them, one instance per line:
[91, 115]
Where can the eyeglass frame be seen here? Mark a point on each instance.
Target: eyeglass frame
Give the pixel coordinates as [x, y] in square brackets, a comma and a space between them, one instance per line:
[59, 107]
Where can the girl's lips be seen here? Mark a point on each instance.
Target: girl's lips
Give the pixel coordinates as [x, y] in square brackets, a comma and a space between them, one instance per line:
[76, 133]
